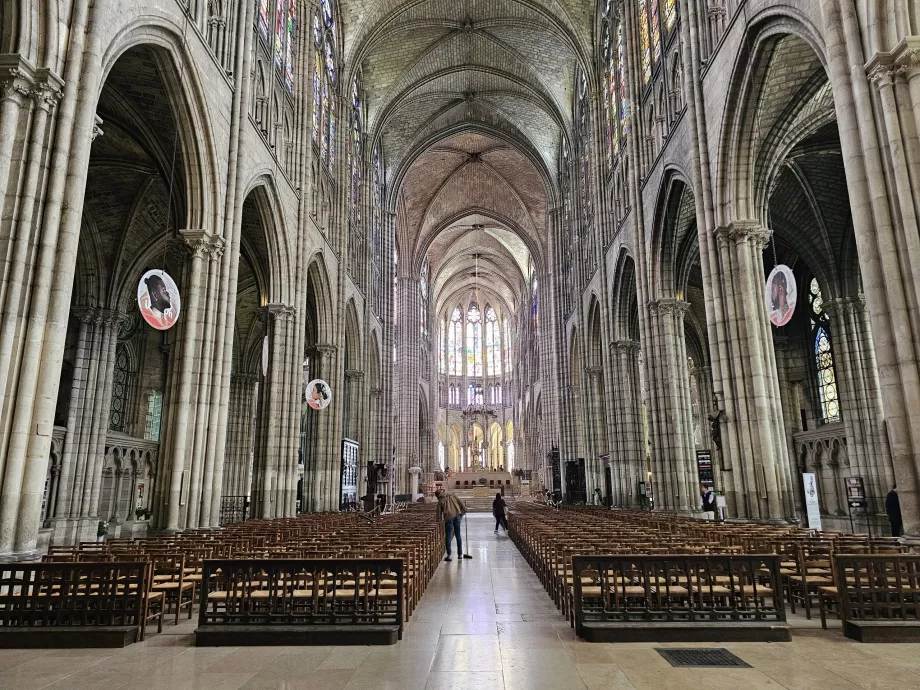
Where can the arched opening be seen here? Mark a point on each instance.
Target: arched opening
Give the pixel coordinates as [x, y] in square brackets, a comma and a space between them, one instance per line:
[119, 380]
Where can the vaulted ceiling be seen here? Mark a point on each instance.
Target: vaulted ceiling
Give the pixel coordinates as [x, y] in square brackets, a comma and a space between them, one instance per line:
[470, 100]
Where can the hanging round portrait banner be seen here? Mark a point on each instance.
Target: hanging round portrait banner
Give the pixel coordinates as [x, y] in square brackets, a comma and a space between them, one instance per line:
[782, 294]
[158, 299]
[319, 394]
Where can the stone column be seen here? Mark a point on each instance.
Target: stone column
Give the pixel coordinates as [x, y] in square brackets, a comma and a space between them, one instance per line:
[860, 405]
[176, 459]
[271, 464]
[202, 461]
[753, 439]
[87, 427]
[414, 473]
[673, 456]
[878, 141]
[408, 366]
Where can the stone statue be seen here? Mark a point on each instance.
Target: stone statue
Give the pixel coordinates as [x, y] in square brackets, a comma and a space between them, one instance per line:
[715, 430]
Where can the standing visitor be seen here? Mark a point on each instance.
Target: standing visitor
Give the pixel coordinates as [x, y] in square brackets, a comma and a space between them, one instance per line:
[451, 511]
[709, 502]
[498, 512]
[893, 508]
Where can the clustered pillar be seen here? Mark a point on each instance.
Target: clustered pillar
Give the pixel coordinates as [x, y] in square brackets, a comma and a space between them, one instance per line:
[76, 511]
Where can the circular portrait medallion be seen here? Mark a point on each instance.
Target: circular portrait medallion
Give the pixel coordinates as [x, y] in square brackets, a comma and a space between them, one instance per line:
[158, 299]
[319, 394]
[781, 293]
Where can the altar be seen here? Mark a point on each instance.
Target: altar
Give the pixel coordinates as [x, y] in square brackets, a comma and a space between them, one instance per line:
[478, 478]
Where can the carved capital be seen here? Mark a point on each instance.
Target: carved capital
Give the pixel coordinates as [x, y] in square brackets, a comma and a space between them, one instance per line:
[197, 241]
[669, 307]
[16, 78]
[881, 70]
[353, 375]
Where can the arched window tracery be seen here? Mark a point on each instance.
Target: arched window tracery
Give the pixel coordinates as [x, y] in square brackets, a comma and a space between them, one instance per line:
[474, 341]
[423, 300]
[493, 343]
[324, 81]
[376, 229]
[824, 355]
[455, 343]
[613, 67]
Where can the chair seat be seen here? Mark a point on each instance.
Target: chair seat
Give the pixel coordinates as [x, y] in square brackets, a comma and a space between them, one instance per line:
[169, 586]
[811, 579]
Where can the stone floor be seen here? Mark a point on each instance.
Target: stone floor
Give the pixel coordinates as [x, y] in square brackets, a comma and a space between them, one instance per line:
[484, 623]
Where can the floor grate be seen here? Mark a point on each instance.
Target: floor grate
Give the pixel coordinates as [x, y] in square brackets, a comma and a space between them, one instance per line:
[705, 658]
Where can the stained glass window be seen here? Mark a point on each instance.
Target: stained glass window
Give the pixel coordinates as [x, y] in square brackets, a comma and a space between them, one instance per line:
[357, 155]
[279, 32]
[423, 299]
[474, 341]
[535, 309]
[263, 19]
[608, 113]
[670, 14]
[154, 414]
[474, 394]
[824, 356]
[624, 94]
[119, 407]
[455, 343]
[324, 83]
[507, 347]
[655, 29]
[493, 343]
[291, 25]
[442, 351]
[645, 51]
[317, 115]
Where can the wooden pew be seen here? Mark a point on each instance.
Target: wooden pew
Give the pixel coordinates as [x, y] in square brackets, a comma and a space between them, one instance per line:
[322, 601]
[60, 605]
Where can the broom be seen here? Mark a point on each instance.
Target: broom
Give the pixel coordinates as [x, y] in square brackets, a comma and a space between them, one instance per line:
[466, 541]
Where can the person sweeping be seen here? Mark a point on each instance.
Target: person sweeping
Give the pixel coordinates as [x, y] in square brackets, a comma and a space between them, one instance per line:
[451, 511]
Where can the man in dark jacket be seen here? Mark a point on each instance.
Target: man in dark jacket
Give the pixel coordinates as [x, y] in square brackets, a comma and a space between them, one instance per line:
[893, 508]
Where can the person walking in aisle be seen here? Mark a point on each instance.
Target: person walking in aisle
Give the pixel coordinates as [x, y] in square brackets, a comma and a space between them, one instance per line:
[893, 508]
[451, 511]
[498, 512]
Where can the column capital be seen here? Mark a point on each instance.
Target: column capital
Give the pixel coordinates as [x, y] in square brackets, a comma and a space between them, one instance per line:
[16, 78]
[48, 90]
[275, 311]
[672, 306]
[626, 345]
[594, 372]
[325, 349]
[353, 374]
[200, 242]
[907, 57]
[881, 70]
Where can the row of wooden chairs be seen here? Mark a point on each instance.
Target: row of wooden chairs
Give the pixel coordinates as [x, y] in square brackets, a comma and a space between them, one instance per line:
[177, 560]
[550, 538]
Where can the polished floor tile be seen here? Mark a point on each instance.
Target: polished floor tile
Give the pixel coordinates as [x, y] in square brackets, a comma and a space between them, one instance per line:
[484, 623]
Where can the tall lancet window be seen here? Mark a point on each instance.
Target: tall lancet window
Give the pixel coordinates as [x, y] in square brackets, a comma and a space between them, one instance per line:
[423, 300]
[507, 346]
[324, 81]
[493, 343]
[455, 344]
[824, 355]
[442, 350]
[357, 152]
[474, 341]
